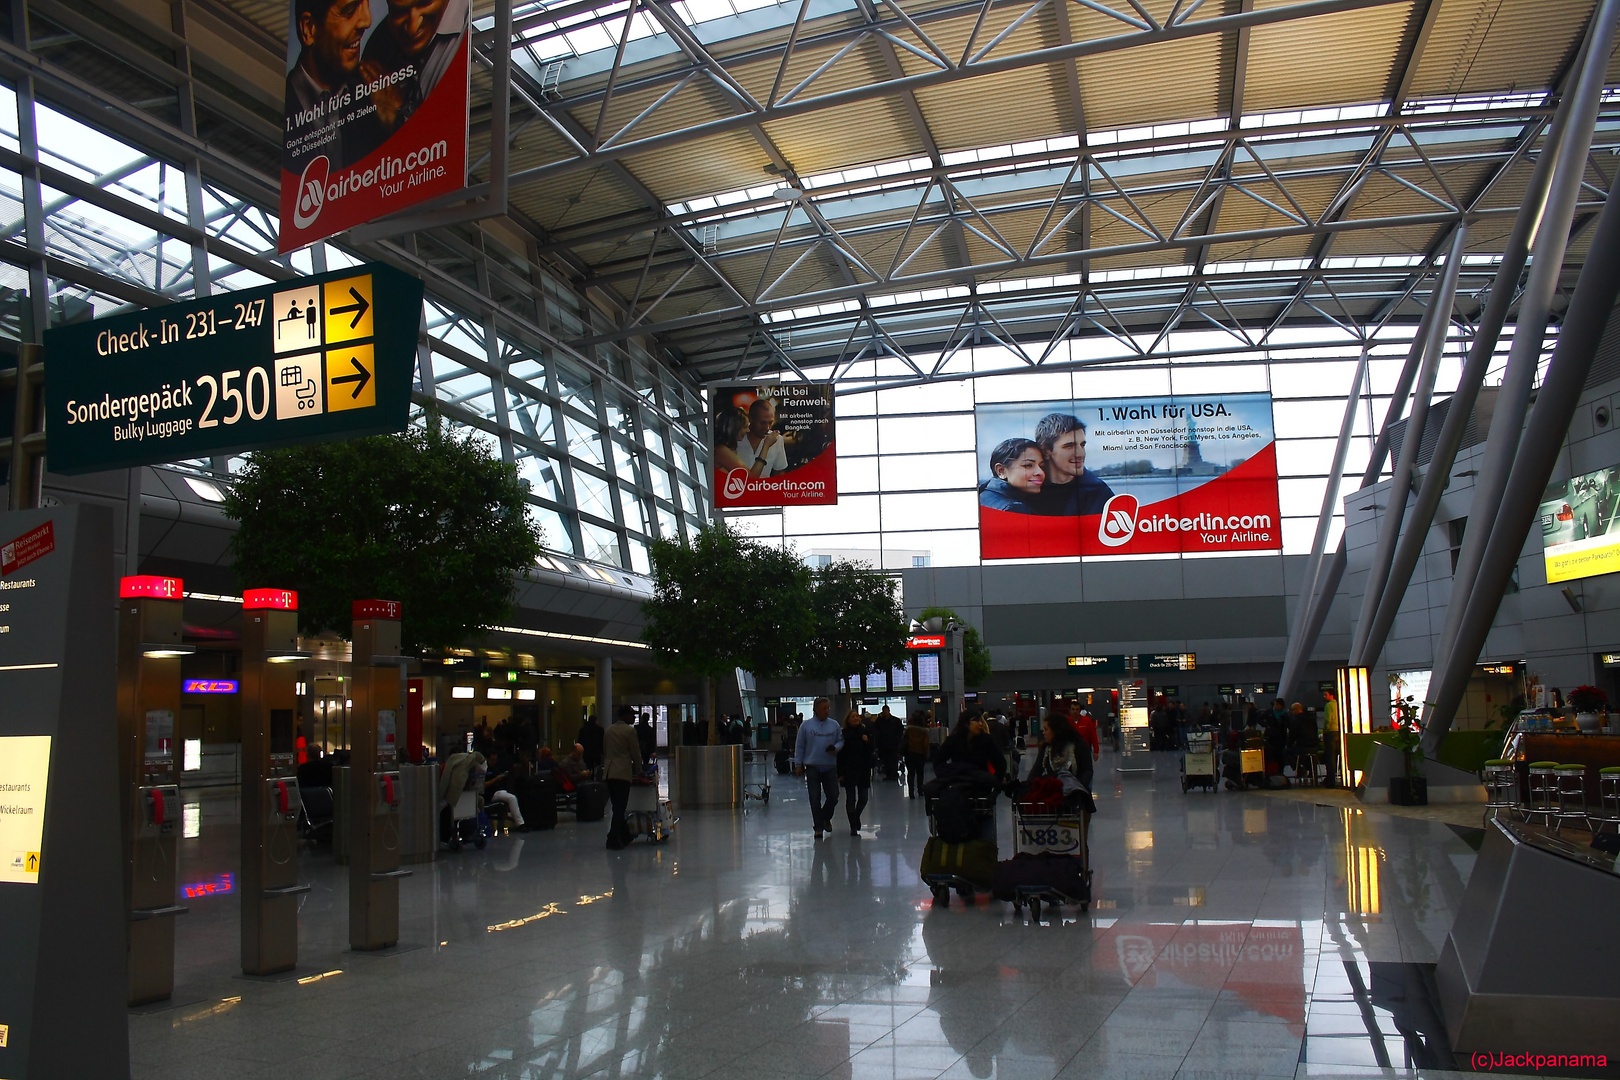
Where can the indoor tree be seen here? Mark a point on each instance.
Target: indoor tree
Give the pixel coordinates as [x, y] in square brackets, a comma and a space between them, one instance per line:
[975, 653]
[723, 601]
[428, 517]
[856, 622]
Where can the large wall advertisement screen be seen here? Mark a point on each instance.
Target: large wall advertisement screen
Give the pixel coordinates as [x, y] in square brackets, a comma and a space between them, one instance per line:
[1127, 476]
[1580, 528]
[774, 445]
[376, 112]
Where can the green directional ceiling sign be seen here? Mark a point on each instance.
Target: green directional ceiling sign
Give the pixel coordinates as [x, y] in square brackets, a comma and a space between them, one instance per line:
[306, 360]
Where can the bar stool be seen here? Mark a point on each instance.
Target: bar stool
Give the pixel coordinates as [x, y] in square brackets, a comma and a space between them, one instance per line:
[1570, 792]
[1501, 786]
[1543, 794]
[1608, 798]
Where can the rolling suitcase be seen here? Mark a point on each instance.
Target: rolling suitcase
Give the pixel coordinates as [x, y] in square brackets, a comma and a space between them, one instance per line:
[538, 801]
[592, 801]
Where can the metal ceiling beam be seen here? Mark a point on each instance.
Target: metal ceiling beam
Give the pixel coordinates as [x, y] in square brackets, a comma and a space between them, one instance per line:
[937, 76]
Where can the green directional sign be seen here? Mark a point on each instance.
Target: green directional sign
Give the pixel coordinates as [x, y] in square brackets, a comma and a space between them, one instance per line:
[306, 360]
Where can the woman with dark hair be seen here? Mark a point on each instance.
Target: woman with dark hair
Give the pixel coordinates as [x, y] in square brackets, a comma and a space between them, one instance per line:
[970, 744]
[855, 760]
[1062, 751]
[730, 424]
[1019, 471]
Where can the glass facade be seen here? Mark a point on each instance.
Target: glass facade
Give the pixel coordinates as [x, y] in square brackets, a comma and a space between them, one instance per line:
[605, 441]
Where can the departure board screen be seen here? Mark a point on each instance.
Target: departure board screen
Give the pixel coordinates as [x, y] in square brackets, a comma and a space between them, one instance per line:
[928, 671]
[900, 676]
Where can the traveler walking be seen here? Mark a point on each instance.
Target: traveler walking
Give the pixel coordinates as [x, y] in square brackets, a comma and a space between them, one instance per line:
[816, 757]
[855, 759]
[622, 752]
[916, 752]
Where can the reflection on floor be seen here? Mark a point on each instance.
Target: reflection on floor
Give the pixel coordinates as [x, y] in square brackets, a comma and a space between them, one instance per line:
[1232, 935]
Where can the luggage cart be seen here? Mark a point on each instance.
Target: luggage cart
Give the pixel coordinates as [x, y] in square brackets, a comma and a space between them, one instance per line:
[647, 814]
[1198, 764]
[1065, 834]
[983, 808]
[464, 823]
[756, 766]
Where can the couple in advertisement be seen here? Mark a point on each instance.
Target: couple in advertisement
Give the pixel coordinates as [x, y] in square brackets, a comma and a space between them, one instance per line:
[378, 87]
[1046, 474]
[1127, 476]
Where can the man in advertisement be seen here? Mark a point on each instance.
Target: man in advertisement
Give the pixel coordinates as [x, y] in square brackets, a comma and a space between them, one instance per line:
[1071, 489]
[760, 443]
[417, 38]
[329, 33]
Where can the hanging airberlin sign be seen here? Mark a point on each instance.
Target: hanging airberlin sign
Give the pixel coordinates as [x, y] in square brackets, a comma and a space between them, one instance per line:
[773, 445]
[1127, 476]
[376, 112]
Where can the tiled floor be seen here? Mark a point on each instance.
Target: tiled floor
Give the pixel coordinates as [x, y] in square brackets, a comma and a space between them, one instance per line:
[1232, 935]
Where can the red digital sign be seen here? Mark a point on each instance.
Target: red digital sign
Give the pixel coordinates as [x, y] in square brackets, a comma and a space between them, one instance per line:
[150, 587]
[926, 641]
[378, 609]
[271, 599]
[214, 886]
[210, 686]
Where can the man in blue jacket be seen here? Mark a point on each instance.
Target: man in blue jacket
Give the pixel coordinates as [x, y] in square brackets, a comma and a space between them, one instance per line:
[1071, 489]
[815, 755]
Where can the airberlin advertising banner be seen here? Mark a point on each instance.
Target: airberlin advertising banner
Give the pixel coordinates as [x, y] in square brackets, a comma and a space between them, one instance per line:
[773, 445]
[1127, 476]
[376, 112]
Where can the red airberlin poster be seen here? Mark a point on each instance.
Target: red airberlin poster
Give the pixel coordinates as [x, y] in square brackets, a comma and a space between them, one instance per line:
[773, 445]
[1127, 477]
[376, 111]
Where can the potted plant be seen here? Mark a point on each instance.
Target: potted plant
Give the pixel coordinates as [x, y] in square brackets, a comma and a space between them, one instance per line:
[1588, 701]
[1411, 788]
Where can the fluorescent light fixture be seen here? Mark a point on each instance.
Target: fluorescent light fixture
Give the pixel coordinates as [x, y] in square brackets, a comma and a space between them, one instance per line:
[159, 651]
[286, 656]
[462, 692]
[205, 489]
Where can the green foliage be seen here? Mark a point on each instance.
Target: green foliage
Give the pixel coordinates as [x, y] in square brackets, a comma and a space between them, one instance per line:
[855, 622]
[1407, 736]
[426, 517]
[976, 665]
[725, 602]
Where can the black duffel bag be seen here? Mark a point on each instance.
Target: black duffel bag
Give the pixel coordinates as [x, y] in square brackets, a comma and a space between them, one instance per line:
[1061, 875]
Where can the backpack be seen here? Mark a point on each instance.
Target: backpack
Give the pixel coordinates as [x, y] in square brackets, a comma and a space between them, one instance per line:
[916, 739]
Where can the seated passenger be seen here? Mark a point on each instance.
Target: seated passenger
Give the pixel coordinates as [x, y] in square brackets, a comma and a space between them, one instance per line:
[1019, 474]
[573, 766]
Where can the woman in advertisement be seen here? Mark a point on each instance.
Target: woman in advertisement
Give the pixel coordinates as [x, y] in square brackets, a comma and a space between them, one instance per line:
[1020, 472]
[729, 426]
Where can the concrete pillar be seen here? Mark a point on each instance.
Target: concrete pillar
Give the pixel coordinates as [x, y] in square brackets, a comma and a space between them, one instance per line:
[604, 690]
